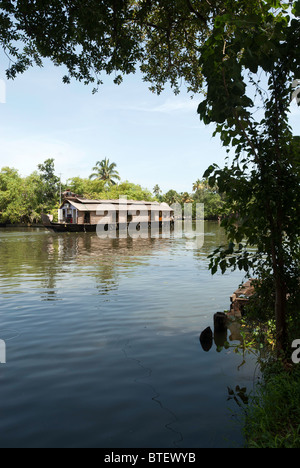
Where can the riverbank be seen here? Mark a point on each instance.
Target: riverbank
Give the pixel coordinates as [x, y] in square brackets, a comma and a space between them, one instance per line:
[272, 412]
[273, 415]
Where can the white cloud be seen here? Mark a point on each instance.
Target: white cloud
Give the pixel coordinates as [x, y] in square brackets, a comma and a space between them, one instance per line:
[169, 106]
[177, 105]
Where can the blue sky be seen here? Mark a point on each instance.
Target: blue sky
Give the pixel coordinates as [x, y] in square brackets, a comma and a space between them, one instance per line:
[153, 139]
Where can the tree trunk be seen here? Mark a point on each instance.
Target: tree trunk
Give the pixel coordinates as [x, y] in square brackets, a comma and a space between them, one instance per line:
[280, 314]
[280, 297]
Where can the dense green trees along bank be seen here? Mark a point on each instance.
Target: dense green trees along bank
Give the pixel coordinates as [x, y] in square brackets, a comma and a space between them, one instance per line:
[23, 199]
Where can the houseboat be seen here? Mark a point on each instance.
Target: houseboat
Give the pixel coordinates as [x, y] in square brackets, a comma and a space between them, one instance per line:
[78, 214]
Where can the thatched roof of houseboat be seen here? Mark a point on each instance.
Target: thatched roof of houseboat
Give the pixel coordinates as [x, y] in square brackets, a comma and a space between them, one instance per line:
[83, 204]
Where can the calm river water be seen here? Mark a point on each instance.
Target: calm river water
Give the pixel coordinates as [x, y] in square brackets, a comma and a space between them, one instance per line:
[103, 346]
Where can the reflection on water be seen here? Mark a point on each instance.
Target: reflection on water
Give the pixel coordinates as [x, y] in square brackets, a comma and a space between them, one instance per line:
[230, 334]
[103, 342]
[55, 255]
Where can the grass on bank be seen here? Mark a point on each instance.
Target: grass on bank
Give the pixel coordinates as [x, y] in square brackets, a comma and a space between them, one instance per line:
[273, 414]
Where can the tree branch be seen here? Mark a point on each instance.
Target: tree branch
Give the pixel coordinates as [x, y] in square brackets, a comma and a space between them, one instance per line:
[155, 26]
[240, 124]
[192, 10]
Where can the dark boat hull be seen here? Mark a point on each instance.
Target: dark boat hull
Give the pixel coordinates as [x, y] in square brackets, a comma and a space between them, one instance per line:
[56, 227]
[59, 228]
[66, 227]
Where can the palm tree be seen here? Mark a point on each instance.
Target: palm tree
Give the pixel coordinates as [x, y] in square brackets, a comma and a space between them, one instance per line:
[157, 190]
[202, 185]
[197, 185]
[106, 171]
[186, 198]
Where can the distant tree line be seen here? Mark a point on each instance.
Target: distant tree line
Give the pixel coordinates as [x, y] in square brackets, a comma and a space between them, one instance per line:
[211, 197]
[24, 199]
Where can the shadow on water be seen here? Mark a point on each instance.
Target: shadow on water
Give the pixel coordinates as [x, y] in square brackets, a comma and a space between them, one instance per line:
[227, 334]
[219, 336]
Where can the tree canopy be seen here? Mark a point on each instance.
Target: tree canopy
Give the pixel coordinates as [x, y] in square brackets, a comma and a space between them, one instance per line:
[162, 38]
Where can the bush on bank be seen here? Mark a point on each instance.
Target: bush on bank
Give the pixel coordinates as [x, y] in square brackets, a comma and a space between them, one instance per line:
[273, 416]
